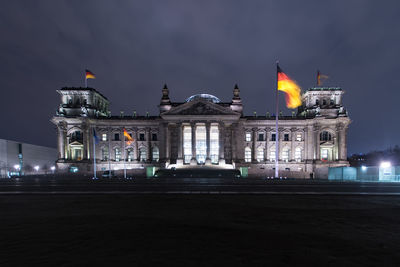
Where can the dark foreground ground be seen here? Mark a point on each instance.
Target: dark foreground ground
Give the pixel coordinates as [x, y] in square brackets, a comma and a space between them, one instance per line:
[199, 230]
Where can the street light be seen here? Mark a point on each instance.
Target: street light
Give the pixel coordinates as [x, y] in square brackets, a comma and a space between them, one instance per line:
[16, 167]
[36, 168]
[53, 168]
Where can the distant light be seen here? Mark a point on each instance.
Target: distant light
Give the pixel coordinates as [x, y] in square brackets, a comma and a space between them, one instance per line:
[53, 168]
[386, 164]
[36, 168]
[16, 166]
[364, 168]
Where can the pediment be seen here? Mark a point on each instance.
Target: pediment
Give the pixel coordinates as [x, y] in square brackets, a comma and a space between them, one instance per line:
[76, 143]
[200, 108]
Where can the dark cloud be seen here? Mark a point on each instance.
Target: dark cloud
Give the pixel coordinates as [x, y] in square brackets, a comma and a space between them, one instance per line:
[198, 46]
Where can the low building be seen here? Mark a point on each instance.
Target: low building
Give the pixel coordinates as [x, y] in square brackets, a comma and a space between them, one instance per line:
[202, 132]
[18, 159]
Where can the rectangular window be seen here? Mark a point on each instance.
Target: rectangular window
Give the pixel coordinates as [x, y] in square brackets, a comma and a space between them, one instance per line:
[248, 137]
[116, 137]
[104, 137]
[298, 137]
[154, 137]
[273, 137]
[117, 154]
[260, 137]
[141, 137]
[247, 154]
[286, 137]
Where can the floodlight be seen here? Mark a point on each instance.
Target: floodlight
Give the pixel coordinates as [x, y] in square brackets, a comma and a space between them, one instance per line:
[364, 168]
[53, 168]
[386, 164]
[16, 166]
[36, 168]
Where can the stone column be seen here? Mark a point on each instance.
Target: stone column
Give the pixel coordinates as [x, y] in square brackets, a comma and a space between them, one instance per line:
[135, 140]
[61, 141]
[180, 140]
[208, 159]
[293, 140]
[254, 147]
[342, 142]
[316, 142]
[86, 143]
[309, 142]
[193, 161]
[167, 143]
[149, 155]
[266, 151]
[221, 141]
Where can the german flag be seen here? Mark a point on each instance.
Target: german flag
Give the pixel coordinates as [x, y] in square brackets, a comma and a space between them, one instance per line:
[128, 137]
[321, 77]
[290, 87]
[90, 75]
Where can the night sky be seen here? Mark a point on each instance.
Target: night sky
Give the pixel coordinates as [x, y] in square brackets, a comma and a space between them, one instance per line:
[134, 47]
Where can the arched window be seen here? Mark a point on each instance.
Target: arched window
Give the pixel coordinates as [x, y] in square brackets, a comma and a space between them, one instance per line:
[104, 153]
[156, 154]
[285, 154]
[297, 154]
[317, 102]
[272, 154]
[142, 154]
[325, 136]
[247, 154]
[117, 153]
[76, 136]
[130, 154]
[260, 154]
[324, 102]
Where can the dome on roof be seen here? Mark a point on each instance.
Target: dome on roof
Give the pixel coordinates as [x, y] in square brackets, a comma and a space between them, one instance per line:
[207, 97]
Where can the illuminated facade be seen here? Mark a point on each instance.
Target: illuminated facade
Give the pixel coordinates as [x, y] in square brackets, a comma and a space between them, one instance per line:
[202, 132]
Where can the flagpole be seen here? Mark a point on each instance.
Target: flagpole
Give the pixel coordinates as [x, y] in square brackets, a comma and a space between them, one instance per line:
[94, 156]
[124, 156]
[85, 81]
[276, 126]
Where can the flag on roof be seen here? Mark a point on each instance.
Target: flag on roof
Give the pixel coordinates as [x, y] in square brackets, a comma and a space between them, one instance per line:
[90, 75]
[290, 87]
[96, 139]
[321, 77]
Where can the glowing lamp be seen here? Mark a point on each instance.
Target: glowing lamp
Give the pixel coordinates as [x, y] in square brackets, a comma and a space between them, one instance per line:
[16, 166]
[52, 168]
[385, 164]
[364, 168]
[36, 168]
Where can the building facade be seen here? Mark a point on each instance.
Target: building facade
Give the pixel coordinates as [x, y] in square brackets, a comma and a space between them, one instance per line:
[17, 159]
[202, 132]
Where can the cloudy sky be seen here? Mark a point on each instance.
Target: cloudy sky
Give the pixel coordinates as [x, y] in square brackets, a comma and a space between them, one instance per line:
[134, 47]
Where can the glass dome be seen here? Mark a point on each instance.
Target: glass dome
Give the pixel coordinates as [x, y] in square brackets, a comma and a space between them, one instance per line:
[207, 97]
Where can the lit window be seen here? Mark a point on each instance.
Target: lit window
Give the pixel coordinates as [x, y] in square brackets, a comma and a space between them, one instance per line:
[272, 154]
[324, 154]
[104, 137]
[142, 154]
[187, 144]
[248, 137]
[247, 154]
[156, 154]
[117, 154]
[260, 154]
[104, 153]
[297, 154]
[298, 137]
[214, 144]
[130, 154]
[285, 154]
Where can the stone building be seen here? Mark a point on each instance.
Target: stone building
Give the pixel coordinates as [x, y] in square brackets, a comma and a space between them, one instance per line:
[202, 132]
